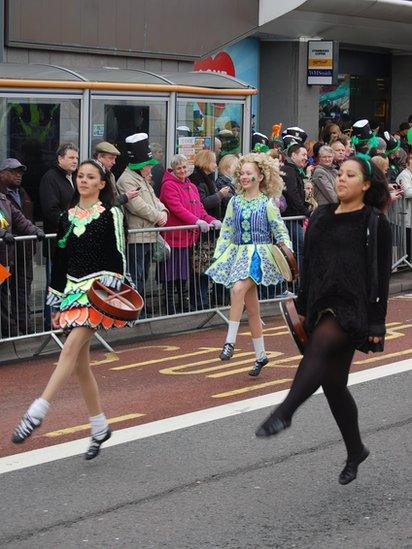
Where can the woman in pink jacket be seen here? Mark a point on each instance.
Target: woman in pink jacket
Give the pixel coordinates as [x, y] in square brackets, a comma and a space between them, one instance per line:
[181, 198]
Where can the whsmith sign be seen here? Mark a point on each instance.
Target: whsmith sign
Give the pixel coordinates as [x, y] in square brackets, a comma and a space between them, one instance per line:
[322, 62]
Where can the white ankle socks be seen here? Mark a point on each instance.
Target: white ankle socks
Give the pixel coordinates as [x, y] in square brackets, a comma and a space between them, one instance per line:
[38, 410]
[232, 331]
[259, 346]
[99, 426]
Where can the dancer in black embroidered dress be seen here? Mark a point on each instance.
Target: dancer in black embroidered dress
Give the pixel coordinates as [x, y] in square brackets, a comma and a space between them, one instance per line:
[90, 246]
[343, 299]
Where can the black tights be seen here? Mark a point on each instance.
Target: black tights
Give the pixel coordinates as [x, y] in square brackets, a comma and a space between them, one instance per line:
[326, 363]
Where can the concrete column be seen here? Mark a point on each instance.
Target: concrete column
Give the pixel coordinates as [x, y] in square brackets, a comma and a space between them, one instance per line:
[401, 100]
[284, 94]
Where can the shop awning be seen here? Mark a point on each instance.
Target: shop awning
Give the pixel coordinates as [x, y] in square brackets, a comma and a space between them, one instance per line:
[373, 23]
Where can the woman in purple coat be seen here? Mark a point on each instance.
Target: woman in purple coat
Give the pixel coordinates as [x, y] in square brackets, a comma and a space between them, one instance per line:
[181, 197]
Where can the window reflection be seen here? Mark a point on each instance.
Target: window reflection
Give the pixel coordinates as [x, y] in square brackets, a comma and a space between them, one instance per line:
[31, 130]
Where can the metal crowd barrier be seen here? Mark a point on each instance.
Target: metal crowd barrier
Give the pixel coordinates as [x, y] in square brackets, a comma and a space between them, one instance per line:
[400, 218]
[171, 287]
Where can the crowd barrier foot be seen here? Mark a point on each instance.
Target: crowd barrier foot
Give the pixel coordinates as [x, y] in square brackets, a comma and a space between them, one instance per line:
[402, 261]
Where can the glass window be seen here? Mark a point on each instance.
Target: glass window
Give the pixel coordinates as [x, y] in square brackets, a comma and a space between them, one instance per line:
[31, 130]
[115, 119]
[208, 125]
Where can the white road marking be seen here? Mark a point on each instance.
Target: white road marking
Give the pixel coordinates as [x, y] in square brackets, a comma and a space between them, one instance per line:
[76, 447]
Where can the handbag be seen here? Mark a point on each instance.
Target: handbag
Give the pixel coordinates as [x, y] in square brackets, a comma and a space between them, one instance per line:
[161, 249]
[203, 255]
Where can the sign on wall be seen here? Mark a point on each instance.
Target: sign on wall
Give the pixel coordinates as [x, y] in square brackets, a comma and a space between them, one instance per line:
[322, 62]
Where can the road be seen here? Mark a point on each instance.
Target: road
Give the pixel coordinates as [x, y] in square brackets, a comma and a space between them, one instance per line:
[189, 472]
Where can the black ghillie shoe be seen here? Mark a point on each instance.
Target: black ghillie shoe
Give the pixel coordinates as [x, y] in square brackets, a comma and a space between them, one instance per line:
[25, 428]
[257, 366]
[95, 444]
[227, 351]
[350, 471]
[273, 425]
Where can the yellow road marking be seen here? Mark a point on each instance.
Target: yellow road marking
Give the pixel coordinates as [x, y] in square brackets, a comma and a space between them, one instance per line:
[265, 330]
[86, 426]
[251, 388]
[383, 357]
[271, 354]
[165, 359]
[173, 370]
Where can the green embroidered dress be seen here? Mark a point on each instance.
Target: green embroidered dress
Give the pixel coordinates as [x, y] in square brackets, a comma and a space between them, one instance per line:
[243, 249]
[90, 246]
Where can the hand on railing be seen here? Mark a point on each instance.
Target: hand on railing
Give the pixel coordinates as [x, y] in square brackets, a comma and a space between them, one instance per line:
[216, 224]
[40, 235]
[203, 226]
[8, 239]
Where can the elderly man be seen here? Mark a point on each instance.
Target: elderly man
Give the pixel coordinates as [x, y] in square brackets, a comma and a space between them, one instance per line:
[16, 212]
[107, 154]
[143, 212]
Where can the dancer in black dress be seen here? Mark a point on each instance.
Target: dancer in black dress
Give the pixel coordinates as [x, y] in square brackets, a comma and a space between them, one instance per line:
[343, 299]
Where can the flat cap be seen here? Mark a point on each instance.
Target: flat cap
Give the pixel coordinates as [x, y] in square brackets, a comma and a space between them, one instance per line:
[106, 147]
[12, 164]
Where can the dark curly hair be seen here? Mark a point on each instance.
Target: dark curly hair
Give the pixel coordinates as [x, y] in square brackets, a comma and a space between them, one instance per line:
[378, 193]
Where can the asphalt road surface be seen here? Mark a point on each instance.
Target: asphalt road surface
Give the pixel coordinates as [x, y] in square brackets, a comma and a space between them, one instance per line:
[211, 484]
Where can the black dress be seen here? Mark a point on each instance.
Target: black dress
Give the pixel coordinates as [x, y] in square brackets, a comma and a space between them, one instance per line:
[337, 273]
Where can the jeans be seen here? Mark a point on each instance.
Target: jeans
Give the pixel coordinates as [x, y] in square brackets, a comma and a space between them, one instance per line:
[139, 261]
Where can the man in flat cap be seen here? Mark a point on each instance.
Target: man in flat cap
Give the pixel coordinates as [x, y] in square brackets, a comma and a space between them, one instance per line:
[107, 154]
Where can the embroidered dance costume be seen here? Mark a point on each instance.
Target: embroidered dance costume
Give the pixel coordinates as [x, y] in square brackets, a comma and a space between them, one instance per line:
[90, 246]
[243, 249]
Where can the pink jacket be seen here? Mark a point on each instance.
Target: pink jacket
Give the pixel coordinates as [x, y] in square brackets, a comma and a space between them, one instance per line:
[185, 208]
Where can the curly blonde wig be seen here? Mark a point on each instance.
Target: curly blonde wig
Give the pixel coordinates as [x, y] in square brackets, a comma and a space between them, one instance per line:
[271, 184]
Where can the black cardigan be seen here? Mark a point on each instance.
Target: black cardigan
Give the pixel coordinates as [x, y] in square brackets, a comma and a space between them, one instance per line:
[209, 195]
[346, 269]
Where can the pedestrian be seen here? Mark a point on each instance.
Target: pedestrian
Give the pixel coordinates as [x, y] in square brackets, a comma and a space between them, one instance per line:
[107, 155]
[182, 199]
[57, 186]
[339, 152]
[56, 191]
[243, 258]
[19, 284]
[330, 133]
[226, 170]
[145, 211]
[158, 170]
[404, 180]
[324, 177]
[342, 300]
[203, 176]
[294, 176]
[90, 246]
[14, 292]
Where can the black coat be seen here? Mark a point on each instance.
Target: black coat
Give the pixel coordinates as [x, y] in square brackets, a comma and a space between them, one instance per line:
[209, 195]
[294, 191]
[56, 193]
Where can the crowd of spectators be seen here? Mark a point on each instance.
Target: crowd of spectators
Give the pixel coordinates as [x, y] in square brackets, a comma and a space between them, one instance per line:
[152, 196]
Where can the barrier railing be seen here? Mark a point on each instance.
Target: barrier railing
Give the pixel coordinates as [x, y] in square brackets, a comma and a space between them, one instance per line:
[400, 218]
[171, 287]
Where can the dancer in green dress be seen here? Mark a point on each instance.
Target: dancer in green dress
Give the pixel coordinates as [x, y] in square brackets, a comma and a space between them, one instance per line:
[243, 258]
